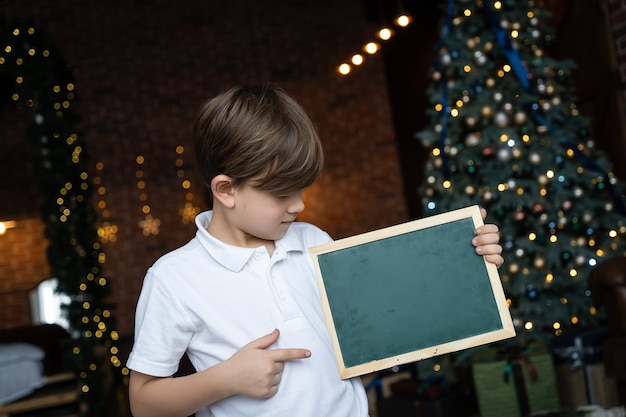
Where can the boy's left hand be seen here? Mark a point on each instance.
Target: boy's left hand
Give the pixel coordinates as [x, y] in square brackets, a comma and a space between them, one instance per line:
[487, 242]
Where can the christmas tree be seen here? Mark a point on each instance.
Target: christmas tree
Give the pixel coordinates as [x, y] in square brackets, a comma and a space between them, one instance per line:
[505, 133]
[40, 83]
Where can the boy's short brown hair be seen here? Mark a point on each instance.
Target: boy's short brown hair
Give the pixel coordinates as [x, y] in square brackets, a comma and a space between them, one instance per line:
[260, 134]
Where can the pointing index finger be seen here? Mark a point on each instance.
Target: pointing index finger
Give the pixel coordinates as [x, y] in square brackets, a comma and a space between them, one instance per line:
[283, 355]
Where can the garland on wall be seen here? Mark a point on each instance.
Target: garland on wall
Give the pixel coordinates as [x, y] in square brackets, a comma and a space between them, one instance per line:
[41, 84]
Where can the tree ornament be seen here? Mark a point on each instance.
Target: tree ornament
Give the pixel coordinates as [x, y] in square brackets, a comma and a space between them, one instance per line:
[480, 58]
[520, 117]
[486, 111]
[501, 119]
[470, 121]
[534, 158]
[472, 139]
[504, 155]
[539, 262]
[532, 293]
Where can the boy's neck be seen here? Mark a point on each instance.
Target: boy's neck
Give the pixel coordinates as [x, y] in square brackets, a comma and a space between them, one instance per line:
[220, 229]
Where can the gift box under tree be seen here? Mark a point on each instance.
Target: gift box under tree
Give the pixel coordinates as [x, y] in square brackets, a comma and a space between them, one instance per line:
[579, 367]
[516, 386]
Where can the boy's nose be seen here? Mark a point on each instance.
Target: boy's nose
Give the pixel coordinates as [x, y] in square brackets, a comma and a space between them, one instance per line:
[297, 206]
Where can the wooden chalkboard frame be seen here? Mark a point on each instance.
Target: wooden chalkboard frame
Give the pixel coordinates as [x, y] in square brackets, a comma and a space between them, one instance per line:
[367, 344]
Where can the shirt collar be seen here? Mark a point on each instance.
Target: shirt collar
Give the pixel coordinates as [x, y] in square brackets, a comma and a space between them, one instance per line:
[233, 257]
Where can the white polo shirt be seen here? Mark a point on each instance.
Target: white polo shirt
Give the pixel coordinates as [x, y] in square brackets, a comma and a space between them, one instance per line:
[209, 299]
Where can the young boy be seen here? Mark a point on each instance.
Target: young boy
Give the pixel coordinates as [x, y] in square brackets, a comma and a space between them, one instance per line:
[241, 298]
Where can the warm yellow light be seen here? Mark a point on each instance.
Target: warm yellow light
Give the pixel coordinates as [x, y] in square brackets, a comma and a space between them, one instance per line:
[385, 34]
[371, 48]
[447, 184]
[5, 225]
[403, 20]
[528, 325]
[357, 59]
[344, 69]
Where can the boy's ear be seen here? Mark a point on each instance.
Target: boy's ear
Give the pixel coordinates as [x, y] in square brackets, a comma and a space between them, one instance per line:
[223, 191]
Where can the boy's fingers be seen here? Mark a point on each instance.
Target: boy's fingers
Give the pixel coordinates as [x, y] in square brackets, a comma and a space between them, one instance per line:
[283, 355]
[279, 355]
[265, 341]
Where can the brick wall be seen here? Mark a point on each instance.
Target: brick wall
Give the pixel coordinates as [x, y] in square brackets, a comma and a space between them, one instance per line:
[617, 13]
[142, 67]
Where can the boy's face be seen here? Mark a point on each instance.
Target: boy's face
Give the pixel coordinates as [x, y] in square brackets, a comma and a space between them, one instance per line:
[264, 215]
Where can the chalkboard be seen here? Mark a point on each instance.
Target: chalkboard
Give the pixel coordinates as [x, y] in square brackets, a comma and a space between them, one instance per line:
[410, 292]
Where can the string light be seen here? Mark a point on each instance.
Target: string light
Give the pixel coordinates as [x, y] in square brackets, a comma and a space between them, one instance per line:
[5, 225]
[107, 230]
[189, 210]
[372, 47]
[149, 224]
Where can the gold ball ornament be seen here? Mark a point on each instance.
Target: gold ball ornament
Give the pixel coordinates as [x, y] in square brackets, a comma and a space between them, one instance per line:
[513, 268]
[470, 121]
[520, 118]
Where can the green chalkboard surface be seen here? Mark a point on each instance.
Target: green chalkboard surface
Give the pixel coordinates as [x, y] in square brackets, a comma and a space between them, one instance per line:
[410, 292]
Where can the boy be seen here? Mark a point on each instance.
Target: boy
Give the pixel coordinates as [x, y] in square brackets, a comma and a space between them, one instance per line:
[241, 298]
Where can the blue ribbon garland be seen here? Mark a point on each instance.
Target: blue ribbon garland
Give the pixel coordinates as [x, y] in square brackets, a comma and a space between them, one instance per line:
[522, 75]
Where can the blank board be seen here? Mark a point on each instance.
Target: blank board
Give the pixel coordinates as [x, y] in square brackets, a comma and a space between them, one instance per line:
[410, 292]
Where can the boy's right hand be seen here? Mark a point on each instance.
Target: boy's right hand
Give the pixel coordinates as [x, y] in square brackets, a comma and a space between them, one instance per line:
[257, 370]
